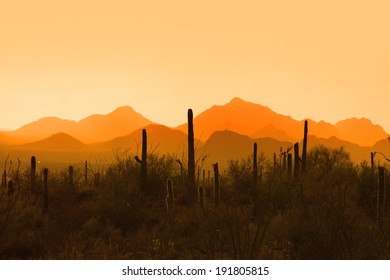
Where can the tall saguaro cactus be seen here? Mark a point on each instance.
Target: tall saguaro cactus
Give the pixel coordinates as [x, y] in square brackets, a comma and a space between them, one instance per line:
[255, 171]
[304, 147]
[191, 159]
[33, 172]
[296, 160]
[144, 172]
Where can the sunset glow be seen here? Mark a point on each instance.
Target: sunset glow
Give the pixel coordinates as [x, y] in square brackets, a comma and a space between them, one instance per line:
[327, 61]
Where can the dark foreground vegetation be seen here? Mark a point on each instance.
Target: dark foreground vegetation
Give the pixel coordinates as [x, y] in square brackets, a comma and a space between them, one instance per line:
[264, 209]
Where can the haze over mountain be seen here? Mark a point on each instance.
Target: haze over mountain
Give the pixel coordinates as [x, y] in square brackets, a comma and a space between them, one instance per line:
[239, 116]
[95, 128]
[360, 131]
[256, 120]
[161, 139]
[56, 142]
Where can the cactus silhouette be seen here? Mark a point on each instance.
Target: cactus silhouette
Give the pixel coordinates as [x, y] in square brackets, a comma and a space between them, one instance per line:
[142, 162]
[255, 171]
[191, 159]
[304, 147]
[33, 172]
[296, 160]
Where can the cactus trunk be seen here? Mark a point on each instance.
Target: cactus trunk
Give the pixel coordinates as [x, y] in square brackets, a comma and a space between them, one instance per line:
[296, 160]
[191, 159]
[143, 161]
[255, 171]
[33, 172]
[304, 147]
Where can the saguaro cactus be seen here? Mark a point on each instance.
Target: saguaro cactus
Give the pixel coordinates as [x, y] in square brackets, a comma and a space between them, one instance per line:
[191, 158]
[296, 159]
[33, 172]
[45, 192]
[372, 161]
[169, 197]
[255, 171]
[304, 147]
[216, 185]
[144, 170]
[142, 162]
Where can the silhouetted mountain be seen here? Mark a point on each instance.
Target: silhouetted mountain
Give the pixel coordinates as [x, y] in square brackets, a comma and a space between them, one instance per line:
[95, 128]
[226, 145]
[248, 119]
[6, 140]
[382, 146]
[98, 128]
[244, 118]
[40, 129]
[255, 120]
[56, 142]
[360, 131]
[357, 153]
[269, 130]
[161, 139]
[223, 146]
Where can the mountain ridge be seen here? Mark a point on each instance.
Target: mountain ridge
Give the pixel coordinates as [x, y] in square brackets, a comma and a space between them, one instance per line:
[246, 118]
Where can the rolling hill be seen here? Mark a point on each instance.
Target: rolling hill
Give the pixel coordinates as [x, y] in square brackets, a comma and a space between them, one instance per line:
[93, 129]
[55, 142]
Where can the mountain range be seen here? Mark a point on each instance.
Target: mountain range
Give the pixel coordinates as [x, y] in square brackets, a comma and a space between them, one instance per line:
[222, 132]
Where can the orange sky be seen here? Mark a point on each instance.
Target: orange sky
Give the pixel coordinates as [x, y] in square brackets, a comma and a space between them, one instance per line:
[322, 61]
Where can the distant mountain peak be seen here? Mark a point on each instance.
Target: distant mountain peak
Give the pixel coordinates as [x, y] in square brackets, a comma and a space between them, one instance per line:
[237, 100]
[125, 108]
[58, 141]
